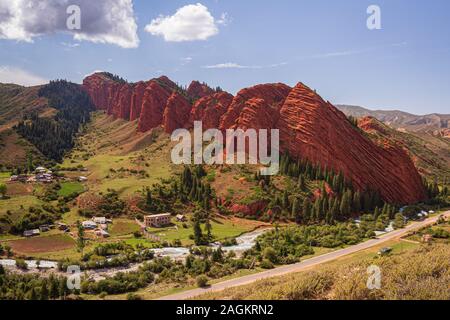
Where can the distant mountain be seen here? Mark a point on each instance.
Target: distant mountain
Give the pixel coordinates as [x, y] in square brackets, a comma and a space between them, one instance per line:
[436, 123]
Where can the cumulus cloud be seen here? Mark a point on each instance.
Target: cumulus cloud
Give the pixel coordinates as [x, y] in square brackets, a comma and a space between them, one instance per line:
[190, 23]
[102, 21]
[18, 76]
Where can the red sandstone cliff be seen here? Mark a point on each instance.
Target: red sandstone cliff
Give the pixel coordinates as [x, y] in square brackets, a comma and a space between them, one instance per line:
[176, 113]
[198, 90]
[309, 127]
[316, 130]
[210, 109]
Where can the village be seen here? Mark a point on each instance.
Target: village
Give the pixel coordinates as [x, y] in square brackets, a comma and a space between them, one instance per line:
[41, 175]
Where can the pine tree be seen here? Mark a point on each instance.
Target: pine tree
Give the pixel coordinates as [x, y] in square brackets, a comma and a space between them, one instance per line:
[357, 202]
[208, 228]
[306, 209]
[345, 207]
[376, 213]
[198, 235]
[295, 210]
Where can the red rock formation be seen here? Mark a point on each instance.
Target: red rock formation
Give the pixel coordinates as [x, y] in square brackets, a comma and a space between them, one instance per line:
[176, 113]
[153, 104]
[210, 109]
[198, 90]
[98, 87]
[314, 129]
[137, 99]
[309, 127]
[272, 94]
[253, 209]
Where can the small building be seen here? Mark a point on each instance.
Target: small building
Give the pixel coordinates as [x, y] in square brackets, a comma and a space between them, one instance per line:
[99, 220]
[82, 179]
[40, 170]
[62, 226]
[102, 233]
[157, 220]
[31, 179]
[181, 218]
[14, 178]
[44, 228]
[89, 225]
[31, 233]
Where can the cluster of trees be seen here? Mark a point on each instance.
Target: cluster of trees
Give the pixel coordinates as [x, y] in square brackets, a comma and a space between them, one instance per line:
[109, 255]
[213, 263]
[288, 245]
[54, 136]
[202, 217]
[207, 262]
[114, 77]
[34, 218]
[119, 283]
[336, 200]
[31, 287]
[434, 191]
[190, 188]
[194, 188]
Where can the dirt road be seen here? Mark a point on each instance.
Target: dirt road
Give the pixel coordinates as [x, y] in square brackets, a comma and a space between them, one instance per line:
[304, 264]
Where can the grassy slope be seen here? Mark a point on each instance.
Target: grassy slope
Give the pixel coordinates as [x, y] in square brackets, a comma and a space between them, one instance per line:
[15, 101]
[109, 145]
[430, 154]
[412, 271]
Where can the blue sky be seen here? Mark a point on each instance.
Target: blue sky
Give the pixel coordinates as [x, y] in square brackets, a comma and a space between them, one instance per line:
[324, 44]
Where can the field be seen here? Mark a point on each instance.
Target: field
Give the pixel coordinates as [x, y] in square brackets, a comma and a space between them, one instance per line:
[18, 203]
[42, 244]
[68, 188]
[222, 228]
[122, 227]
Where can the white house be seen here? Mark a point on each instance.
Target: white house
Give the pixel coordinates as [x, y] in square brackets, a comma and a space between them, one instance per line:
[90, 225]
[40, 170]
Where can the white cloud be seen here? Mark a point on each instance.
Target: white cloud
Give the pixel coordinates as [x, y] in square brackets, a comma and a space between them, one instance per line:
[18, 76]
[232, 65]
[70, 45]
[102, 21]
[190, 23]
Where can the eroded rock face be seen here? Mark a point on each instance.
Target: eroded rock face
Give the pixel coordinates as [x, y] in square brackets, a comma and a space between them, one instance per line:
[314, 129]
[309, 127]
[176, 113]
[210, 109]
[198, 90]
[272, 94]
[153, 105]
[137, 99]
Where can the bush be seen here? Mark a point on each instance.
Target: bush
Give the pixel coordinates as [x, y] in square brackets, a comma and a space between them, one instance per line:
[266, 264]
[202, 281]
[133, 296]
[270, 254]
[21, 264]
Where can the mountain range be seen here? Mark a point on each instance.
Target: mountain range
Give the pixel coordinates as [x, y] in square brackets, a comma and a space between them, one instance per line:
[438, 124]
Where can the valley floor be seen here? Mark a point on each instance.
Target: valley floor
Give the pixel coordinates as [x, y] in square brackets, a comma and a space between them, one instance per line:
[369, 246]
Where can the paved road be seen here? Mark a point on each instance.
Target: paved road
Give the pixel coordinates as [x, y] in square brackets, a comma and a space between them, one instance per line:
[304, 264]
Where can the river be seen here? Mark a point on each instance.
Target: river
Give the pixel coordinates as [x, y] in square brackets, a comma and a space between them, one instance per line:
[244, 242]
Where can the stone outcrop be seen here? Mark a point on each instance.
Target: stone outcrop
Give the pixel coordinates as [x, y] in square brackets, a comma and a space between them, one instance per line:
[309, 127]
